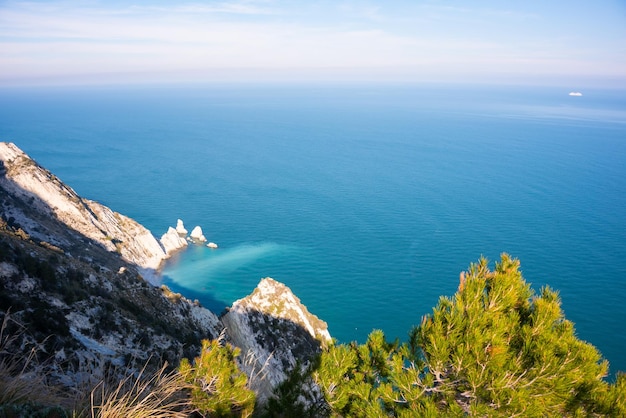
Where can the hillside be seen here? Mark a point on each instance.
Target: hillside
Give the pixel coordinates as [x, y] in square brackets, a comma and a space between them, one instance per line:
[73, 288]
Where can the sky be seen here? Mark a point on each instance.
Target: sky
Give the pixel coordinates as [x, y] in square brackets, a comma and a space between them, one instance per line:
[517, 42]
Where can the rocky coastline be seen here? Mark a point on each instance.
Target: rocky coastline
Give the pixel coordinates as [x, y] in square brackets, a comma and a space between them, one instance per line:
[100, 286]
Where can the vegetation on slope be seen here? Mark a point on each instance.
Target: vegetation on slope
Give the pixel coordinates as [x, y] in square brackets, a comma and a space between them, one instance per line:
[495, 348]
[217, 386]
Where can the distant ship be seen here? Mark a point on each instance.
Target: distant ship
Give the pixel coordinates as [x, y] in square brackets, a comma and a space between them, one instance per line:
[575, 93]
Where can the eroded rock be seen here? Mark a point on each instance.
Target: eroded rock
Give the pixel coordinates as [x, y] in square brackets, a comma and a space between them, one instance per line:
[275, 332]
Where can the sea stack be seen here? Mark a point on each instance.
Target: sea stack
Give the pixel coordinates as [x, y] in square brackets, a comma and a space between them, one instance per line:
[197, 235]
[172, 241]
[180, 227]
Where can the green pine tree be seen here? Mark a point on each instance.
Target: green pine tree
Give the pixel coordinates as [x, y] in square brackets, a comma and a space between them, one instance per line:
[218, 387]
[497, 348]
[494, 349]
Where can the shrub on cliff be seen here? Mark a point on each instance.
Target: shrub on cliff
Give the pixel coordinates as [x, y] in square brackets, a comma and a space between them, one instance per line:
[494, 349]
[218, 387]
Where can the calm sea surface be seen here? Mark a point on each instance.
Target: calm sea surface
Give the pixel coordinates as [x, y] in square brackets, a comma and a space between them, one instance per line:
[366, 201]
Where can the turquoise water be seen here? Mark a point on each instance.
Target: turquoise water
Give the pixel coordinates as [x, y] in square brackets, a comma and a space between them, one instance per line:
[366, 201]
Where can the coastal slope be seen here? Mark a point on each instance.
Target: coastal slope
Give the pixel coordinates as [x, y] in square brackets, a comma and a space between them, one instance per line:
[73, 273]
[48, 202]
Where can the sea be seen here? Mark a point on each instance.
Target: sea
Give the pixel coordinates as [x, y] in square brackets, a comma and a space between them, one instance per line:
[367, 200]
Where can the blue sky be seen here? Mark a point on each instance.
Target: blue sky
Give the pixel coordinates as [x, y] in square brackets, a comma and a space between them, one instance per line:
[525, 42]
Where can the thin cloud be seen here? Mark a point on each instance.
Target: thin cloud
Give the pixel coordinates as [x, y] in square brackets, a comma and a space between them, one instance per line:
[49, 38]
[236, 8]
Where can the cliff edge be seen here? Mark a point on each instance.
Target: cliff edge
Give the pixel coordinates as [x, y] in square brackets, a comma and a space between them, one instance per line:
[275, 332]
[44, 194]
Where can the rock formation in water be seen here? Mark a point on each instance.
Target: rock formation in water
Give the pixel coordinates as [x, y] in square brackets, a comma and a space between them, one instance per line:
[72, 273]
[197, 235]
[173, 241]
[180, 227]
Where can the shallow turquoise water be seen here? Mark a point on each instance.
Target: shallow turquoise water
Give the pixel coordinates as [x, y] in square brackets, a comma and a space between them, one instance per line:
[366, 201]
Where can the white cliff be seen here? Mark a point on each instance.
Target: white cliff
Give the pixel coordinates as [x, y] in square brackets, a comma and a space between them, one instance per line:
[274, 331]
[46, 194]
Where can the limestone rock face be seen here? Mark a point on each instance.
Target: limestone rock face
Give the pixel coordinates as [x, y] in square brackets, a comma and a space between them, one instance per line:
[172, 241]
[46, 196]
[274, 331]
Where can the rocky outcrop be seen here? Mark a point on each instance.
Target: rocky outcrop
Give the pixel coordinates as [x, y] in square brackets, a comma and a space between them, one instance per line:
[197, 235]
[176, 239]
[275, 332]
[44, 194]
[173, 241]
[180, 227]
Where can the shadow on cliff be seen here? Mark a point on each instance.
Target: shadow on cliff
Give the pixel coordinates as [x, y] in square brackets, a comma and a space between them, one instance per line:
[279, 356]
[275, 334]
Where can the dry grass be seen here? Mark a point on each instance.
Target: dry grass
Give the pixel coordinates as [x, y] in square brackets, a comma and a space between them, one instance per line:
[21, 379]
[159, 395]
[139, 395]
[257, 372]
